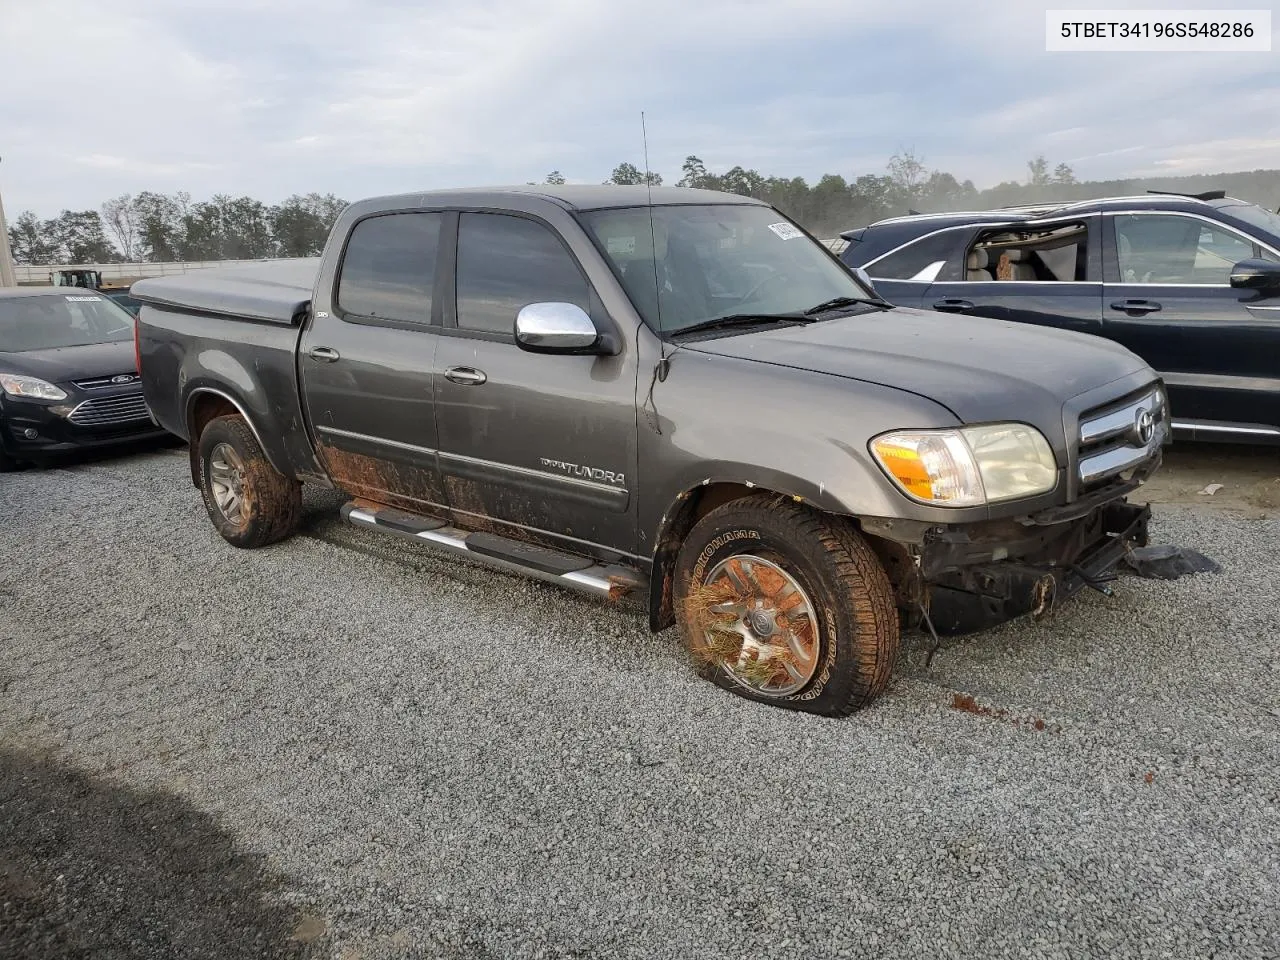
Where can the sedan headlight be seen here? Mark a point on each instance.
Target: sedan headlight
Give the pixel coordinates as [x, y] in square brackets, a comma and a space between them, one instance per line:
[969, 466]
[17, 386]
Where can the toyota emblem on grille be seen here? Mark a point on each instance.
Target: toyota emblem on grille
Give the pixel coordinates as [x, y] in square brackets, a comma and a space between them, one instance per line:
[1144, 425]
[124, 378]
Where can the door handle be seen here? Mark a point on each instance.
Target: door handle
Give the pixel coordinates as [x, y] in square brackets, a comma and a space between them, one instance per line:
[952, 305]
[468, 376]
[1136, 306]
[324, 354]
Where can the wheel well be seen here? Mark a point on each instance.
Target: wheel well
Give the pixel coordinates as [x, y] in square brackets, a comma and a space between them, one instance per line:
[691, 506]
[205, 407]
[695, 504]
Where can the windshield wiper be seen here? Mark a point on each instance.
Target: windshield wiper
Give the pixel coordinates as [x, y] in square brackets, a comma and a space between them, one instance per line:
[836, 302]
[744, 319]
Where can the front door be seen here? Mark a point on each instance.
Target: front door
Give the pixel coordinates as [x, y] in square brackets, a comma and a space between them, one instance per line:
[533, 446]
[366, 364]
[1168, 298]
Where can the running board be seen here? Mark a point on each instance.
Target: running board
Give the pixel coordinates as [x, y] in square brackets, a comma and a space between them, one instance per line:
[580, 573]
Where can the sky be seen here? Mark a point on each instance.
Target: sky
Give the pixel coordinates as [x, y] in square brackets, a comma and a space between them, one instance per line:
[268, 98]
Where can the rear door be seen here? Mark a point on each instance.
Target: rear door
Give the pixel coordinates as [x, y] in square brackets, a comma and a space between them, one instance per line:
[366, 365]
[903, 274]
[1168, 298]
[535, 446]
[1053, 283]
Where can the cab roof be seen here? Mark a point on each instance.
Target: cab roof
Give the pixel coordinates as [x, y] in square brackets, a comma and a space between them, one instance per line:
[574, 197]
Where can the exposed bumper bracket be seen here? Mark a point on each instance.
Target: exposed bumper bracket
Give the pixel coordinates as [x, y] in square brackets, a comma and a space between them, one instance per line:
[983, 595]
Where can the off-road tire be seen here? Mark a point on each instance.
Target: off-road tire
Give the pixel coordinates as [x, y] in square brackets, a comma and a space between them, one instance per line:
[854, 602]
[273, 501]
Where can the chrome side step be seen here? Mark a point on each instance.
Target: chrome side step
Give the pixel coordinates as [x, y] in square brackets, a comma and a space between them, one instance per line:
[611, 581]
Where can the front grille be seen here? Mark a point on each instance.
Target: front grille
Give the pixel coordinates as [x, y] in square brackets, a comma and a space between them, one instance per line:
[111, 411]
[97, 383]
[1121, 435]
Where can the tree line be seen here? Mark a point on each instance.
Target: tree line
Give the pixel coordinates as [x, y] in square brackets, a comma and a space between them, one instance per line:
[161, 227]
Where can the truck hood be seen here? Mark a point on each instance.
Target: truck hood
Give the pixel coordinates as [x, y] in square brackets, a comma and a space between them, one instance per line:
[980, 369]
[60, 364]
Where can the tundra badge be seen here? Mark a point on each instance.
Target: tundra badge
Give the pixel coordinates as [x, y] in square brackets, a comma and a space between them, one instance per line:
[586, 473]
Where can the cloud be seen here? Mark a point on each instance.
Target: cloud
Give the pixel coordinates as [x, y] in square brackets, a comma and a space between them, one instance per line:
[361, 97]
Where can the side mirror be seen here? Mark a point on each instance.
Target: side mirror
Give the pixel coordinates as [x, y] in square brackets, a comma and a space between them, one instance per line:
[1256, 274]
[864, 278]
[556, 328]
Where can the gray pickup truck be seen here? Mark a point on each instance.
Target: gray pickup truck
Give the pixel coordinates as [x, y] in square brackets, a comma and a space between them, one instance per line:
[675, 397]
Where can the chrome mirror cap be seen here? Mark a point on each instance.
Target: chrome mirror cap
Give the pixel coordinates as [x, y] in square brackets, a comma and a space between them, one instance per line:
[553, 327]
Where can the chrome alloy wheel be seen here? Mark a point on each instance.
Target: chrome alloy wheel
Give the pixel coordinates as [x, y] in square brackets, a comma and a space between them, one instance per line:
[760, 625]
[226, 479]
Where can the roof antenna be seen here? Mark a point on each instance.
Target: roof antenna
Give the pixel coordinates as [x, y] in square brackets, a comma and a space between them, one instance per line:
[663, 363]
[663, 366]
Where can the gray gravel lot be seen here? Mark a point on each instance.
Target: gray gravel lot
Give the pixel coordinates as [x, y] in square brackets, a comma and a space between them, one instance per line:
[394, 755]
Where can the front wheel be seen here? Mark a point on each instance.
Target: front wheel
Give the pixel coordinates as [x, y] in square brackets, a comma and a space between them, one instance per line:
[782, 605]
[250, 502]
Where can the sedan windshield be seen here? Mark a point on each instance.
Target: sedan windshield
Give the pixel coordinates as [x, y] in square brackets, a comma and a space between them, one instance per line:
[696, 263]
[68, 320]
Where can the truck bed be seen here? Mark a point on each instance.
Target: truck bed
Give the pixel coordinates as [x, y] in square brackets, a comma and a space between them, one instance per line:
[278, 291]
[230, 335]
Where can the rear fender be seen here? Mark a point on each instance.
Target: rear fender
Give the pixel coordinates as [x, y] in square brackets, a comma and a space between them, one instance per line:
[205, 402]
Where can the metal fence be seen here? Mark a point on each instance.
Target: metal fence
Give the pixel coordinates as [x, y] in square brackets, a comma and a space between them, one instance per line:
[123, 272]
[128, 272]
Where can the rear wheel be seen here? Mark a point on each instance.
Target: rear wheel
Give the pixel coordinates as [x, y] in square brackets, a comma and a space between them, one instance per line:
[780, 604]
[250, 502]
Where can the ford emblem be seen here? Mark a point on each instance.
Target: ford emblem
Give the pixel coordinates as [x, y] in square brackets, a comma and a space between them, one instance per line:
[124, 378]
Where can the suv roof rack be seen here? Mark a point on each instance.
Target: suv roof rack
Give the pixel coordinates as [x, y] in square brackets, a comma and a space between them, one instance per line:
[1207, 195]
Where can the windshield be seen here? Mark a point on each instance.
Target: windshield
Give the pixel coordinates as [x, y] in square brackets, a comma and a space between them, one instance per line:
[69, 320]
[716, 260]
[1255, 216]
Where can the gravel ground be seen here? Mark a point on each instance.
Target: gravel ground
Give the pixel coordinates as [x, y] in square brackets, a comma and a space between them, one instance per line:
[342, 746]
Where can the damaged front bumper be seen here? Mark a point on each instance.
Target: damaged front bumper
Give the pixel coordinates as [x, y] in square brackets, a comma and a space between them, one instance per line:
[975, 577]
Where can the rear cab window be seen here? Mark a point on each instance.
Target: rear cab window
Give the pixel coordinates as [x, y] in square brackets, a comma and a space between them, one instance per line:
[388, 269]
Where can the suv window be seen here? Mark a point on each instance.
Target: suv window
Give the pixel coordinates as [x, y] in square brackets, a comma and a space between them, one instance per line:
[1153, 248]
[923, 260]
[1047, 254]
[388, 271]
[507, 262]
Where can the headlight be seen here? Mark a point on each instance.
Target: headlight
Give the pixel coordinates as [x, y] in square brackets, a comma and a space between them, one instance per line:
[969, 466]
[17, 386]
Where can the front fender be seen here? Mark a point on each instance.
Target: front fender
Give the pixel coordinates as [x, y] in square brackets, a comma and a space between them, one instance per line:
[794, 432]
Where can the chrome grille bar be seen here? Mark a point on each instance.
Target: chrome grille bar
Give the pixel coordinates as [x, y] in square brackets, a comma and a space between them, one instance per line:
[108, 411]
[1117, 439]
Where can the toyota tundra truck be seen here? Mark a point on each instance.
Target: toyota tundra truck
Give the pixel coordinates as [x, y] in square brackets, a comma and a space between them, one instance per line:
[670, 397]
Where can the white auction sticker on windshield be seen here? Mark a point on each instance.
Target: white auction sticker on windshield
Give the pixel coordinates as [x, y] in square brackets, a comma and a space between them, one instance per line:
[85, 299]
[622, 245]
[786, 231]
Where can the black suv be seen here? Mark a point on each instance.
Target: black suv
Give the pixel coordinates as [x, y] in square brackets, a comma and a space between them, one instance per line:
[1189, 283]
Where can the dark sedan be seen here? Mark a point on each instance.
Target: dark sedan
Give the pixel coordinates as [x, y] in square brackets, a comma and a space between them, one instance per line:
[68, 375]
[1189, 283]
